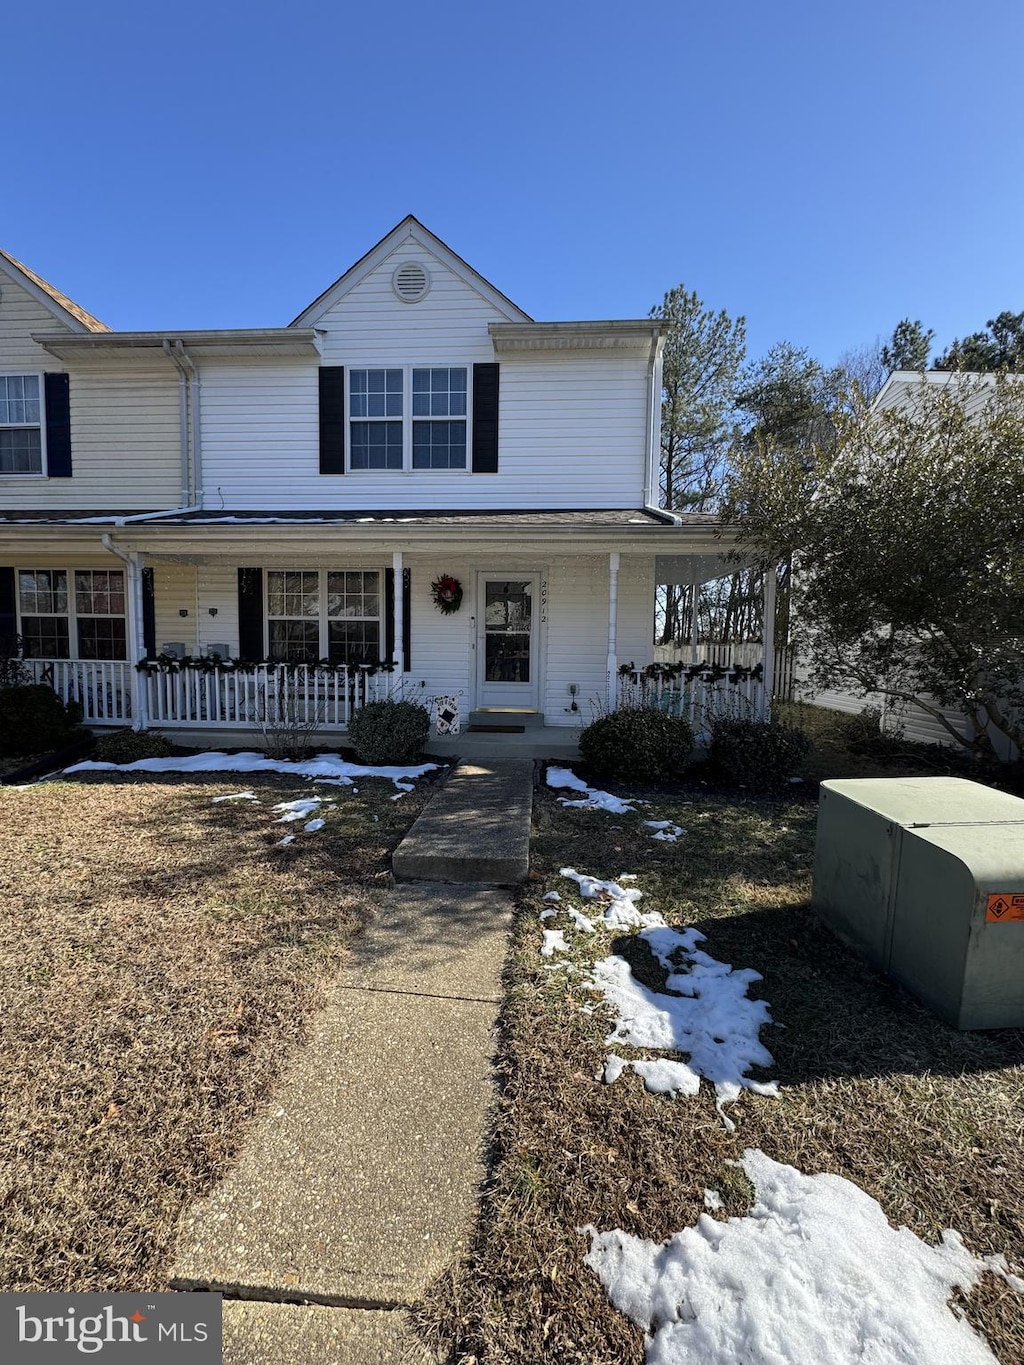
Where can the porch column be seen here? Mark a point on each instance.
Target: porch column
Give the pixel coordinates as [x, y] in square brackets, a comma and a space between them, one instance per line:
[137, 643]
[694, 623]
[768, 635]
[399, 596]
[613, 622]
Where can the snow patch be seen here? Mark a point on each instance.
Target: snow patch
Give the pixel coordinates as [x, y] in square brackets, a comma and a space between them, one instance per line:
[620, 911]
[708, 1016]
[813, 1273]
[562, 779]
[554, 942]
[296, 810]
[327, 767]
[236, 796]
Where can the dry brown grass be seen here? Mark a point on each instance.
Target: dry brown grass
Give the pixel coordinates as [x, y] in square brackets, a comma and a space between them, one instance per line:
[927, 1120]
[158, 959]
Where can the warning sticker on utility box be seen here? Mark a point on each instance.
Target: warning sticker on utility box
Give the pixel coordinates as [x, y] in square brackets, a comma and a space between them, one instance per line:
[1005, 906]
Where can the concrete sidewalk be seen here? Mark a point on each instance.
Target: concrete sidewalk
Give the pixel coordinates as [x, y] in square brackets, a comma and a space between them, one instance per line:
[360, 1184]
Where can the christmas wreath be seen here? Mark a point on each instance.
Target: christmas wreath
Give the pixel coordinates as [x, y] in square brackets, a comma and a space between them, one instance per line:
[447, 593]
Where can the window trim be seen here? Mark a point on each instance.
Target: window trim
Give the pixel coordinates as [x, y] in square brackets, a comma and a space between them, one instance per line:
[408, 417]
[22, 426]
[322, 618]
[71, 616]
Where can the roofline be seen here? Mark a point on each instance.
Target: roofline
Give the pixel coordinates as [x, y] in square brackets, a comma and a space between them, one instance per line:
[52, 298]
[243, 336]
[632, 333]
[361, 268]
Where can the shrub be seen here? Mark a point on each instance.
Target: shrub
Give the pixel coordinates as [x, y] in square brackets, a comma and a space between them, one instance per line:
[756, 754]
[389, 731]
[34, 720]
[127, 746]
[637, 744]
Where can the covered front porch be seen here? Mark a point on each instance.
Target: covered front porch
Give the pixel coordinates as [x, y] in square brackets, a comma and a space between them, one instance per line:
[224, 623]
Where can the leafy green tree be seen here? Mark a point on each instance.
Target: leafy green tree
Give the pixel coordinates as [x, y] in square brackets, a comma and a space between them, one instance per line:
[1001, 347]
[908, 347]
[790, 398]
[906, 528]
[703, 354]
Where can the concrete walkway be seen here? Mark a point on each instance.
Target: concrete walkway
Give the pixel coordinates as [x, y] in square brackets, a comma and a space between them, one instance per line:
[360, 1183]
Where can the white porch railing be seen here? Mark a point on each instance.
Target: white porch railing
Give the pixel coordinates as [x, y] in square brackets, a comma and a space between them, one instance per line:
[238, 698]
[224, 697]
[102, 687]
[698, 699]
[743, 654]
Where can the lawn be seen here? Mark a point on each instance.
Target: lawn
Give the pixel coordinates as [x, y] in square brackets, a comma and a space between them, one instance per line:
[873, 1088]
[160, 956]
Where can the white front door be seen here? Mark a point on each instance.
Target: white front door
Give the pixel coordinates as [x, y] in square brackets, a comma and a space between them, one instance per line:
[507, 645]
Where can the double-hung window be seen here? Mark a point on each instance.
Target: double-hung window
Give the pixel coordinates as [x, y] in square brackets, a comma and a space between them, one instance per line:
[21, 424]
[72, 614]
[324, 614]
[411, 418]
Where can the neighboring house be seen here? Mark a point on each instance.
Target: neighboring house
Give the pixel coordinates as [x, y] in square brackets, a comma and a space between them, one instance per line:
[900, 390]
[287, 497]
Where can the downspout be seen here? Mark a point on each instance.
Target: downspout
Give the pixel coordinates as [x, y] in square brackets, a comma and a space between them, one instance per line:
[191, 473]
[137, 639]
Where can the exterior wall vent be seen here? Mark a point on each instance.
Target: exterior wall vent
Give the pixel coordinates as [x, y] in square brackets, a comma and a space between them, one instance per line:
[410, 281]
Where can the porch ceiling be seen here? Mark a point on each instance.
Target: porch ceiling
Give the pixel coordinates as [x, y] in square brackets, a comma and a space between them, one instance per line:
[704, 567]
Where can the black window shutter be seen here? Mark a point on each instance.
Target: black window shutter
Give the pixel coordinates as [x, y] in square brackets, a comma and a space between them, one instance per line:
[148, 614]
[485, 419]
[250, 615]
[8, 613]
[57, 404]
[332, 419]
[389, 615]
[407, 617]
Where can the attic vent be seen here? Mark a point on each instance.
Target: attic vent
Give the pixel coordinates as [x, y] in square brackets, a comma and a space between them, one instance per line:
[410, 281]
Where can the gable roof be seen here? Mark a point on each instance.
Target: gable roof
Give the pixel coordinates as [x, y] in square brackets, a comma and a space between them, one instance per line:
[46, 293]
[409, 228]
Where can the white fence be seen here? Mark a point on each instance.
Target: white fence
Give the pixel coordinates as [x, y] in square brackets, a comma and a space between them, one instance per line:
[699, 698]
[225, 697]
[743, 655]
[101, 687]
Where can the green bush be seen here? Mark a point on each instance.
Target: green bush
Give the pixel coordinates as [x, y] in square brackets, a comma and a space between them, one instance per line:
[34, 720]
[127, 746]
[756, 754]
[637, 744]
[389, 731]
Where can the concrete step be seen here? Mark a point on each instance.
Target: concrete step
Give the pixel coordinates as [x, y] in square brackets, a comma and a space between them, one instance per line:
[506, 715]
[476, 829]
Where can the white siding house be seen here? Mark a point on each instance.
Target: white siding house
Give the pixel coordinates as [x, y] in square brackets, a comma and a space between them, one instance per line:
[189, 517]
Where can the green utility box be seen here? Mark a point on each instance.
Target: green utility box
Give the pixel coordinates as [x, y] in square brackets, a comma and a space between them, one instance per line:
[925, 876]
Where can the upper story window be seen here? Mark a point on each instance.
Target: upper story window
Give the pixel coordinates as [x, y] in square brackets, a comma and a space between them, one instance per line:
[21, 424]
[411, 418]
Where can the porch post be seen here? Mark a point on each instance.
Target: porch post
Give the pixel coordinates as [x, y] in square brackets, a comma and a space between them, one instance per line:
[613, 618]
[768, 635]
[399, 596]
[137, 644]
[694, 624]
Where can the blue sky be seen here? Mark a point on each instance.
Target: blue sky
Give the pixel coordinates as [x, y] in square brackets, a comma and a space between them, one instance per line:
[823, 169]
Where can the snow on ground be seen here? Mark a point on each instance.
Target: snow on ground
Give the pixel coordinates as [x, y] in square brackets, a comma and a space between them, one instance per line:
[313, 826]
[813, 1273]
[325, 767]
[554, 942]
[236, 796]
[704, 1011]
[709, 1015]
[593, 798]
[619, 901]
[296, 810]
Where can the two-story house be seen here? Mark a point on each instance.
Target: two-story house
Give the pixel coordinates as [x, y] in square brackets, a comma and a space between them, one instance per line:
[411, 485]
